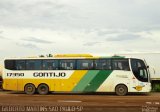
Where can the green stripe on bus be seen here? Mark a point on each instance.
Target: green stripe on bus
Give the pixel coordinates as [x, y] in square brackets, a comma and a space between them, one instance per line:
[85, 80]
[97, 81]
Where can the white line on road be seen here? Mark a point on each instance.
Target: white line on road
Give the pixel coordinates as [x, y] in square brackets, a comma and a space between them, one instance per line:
[71, 101]
[149, 103]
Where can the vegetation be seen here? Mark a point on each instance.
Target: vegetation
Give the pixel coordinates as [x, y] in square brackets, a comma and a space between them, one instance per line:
[156, 87]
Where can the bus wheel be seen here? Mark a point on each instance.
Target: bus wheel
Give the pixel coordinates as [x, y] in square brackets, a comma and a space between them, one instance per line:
[29, 89]
[121, 90]
[43, 89]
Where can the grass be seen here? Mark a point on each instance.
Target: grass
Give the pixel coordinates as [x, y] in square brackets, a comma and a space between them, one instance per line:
[156, 88]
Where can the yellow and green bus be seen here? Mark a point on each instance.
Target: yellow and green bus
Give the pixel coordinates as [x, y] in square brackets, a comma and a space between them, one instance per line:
[80, 73]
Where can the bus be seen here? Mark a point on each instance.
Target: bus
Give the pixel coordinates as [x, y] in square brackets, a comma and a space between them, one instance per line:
[76, 73]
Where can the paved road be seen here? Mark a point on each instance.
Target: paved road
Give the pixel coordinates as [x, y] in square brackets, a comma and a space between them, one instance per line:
[13, 101]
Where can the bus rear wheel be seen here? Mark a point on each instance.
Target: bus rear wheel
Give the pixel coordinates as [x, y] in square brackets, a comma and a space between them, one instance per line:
[121, 90]
[43, 89]
[29, 89]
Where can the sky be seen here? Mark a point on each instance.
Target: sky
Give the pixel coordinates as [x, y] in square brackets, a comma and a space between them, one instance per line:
[98, 27]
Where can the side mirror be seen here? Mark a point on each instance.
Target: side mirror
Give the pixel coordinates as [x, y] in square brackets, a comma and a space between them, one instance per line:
[147, 66]
[154, 71]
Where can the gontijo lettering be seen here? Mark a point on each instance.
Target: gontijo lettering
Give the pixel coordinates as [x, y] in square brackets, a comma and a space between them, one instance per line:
[49, 74]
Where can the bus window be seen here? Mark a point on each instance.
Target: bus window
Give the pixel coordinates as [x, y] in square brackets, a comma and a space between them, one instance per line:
[50, 64]
[20, 65]
[10, 64]
[67, 64]
[102, 64]
[33, 65]
[84, 64]
[120, 64]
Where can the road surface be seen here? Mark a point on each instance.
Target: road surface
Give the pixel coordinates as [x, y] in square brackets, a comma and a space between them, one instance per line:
[100, 102]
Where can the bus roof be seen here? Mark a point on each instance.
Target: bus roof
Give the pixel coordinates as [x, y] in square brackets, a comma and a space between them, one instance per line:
[73, 55]
[69, 56]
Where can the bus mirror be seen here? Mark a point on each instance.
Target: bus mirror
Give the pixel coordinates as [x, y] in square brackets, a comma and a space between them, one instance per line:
[154, 71]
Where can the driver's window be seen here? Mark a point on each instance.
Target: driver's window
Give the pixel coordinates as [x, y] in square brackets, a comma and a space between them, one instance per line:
[142, 69]
[141, 73]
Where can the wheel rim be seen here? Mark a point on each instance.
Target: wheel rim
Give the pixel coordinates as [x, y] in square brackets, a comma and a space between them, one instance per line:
[121, 90]
[29, 89]
[43, 88]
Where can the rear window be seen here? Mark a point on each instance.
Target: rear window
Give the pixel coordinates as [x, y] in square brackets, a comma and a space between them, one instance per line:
[10, 64]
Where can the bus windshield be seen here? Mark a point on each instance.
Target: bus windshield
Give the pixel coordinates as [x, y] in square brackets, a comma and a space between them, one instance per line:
[139, 70]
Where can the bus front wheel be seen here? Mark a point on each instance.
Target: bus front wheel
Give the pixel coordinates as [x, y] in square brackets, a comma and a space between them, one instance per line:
[29, 89]
[121, 90]
[43, 89]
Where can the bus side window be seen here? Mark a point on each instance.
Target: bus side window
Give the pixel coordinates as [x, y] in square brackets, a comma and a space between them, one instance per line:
[20, 64]
[33, 65]
[67, 64]
[100, 64]
[103, 64]
[120, 64]
[84, 64]
[50, 64]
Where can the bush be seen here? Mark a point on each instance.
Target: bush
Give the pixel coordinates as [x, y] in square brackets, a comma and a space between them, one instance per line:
[156, 87]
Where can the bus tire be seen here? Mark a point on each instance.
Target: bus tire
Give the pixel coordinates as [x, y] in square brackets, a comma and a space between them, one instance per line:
[121, 90]
[43, 89]
[30, 89]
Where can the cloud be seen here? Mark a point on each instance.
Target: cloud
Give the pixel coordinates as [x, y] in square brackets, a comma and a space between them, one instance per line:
[1, 32]
[77, 25]
[83, 14]
[91, 43]
[27, 45]
[104, 32]
[123, 37]
[36, 40]
[35, 13]
[1, 37]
